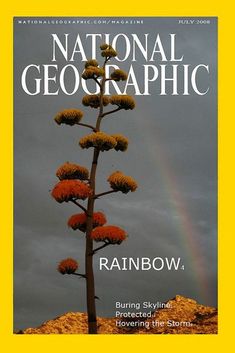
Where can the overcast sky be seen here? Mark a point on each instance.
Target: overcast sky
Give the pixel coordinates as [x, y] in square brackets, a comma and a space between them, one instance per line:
[172, 154]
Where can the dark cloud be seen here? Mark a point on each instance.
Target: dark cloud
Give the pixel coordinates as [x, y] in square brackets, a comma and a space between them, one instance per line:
[172, 154]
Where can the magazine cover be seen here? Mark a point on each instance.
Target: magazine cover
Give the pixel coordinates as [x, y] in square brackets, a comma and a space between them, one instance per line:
[115, 175]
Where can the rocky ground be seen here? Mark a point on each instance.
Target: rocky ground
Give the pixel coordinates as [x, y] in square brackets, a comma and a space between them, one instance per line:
[184, 316]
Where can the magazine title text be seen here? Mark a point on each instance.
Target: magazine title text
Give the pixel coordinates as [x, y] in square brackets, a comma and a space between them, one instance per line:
[153, 64]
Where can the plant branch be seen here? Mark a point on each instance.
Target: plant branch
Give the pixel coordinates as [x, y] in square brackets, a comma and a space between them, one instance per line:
[78, 274]
[78, 204]
[96, 80]
[104, 193]
[89, 126]
[111, 111]
[105, 62]
[100, 247]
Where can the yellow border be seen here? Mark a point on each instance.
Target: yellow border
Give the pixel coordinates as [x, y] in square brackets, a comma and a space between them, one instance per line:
[115, 343]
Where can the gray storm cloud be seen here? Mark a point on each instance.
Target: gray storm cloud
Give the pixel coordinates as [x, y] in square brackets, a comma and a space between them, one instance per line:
[173, 156]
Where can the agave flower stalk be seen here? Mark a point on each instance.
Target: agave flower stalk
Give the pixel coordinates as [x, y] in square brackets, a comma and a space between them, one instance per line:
[77, 183]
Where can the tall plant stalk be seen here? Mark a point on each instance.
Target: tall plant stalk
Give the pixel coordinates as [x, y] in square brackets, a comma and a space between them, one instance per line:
[71, 189]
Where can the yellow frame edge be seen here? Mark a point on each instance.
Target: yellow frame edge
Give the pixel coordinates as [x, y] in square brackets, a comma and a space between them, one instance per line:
[167, 343]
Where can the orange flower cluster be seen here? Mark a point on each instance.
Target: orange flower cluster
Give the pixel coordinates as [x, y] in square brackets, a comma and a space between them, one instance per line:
[67, 266]
[104, 46]
[69, 117]
[91, 62]
[122, 142]
[124, 102]
[107, 51]
[92, 72]
[118, 75]
[78, 221]
[72, 171]
[120, 182]
[99, 139]
[67, 190]
[93, 100]
[111, 234]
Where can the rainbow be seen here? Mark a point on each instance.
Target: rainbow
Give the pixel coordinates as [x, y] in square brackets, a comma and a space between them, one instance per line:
[185, 230]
